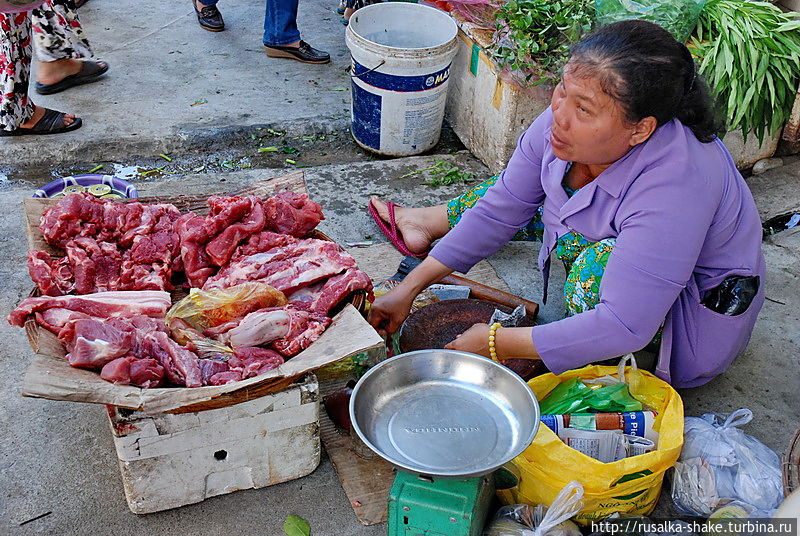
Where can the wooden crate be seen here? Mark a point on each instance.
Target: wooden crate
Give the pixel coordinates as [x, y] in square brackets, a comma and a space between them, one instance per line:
[171, 460]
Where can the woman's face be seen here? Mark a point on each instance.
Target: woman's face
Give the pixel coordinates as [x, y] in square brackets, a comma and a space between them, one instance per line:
[589, 127]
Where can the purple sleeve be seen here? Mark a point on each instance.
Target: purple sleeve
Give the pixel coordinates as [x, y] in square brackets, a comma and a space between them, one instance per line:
[664, 225]
[505, 208]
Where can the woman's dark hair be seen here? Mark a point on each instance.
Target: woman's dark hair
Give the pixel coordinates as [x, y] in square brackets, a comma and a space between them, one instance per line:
[649, 73]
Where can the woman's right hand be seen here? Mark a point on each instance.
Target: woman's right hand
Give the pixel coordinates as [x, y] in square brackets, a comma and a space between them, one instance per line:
[388, 312]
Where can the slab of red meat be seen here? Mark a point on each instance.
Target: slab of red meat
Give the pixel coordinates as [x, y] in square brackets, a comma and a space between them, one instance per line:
[262, 242]
[142, 373]
[222, 246]
[286, 329]
[259, 327]
[91, 343]
[287, 269]
[193, 236]
[55, 319]
[54, 277]
[181, 367]
[109, 246]
[210, 367]
[221, 378]
[322, 297]
[292, 214]
[254, 361]
[305, 328]
[100, 304]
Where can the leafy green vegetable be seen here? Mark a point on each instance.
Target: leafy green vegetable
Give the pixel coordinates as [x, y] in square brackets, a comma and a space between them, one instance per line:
[534, 36]
[679, 17]
[749, 51]
[296, 526]
[442, 173]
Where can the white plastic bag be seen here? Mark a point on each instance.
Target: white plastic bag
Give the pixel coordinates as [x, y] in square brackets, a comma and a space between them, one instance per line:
[526, 520]
[720, 463]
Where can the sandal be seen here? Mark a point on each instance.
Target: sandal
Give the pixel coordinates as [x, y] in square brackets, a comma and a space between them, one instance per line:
[391, 231]
[89, 72]
[52, 122]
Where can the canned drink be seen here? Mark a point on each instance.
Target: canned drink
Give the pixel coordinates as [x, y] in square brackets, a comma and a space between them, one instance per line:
[74, 189]
[111, 196]
[99, 190]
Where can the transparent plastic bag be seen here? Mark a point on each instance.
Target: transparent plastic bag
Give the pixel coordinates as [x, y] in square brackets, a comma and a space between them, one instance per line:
[526, 520]
[679, 17]
[720, 464]
[203, 309]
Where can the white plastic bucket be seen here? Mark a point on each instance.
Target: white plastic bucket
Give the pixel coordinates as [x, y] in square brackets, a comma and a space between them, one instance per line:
[401, 63]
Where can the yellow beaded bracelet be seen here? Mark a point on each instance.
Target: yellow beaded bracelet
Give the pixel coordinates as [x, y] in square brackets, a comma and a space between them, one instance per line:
[492, 332]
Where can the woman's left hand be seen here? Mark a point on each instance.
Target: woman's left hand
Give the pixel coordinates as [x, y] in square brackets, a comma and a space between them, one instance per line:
[475, 340]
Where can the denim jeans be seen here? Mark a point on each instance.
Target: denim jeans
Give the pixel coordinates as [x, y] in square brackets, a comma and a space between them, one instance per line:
[280, 22]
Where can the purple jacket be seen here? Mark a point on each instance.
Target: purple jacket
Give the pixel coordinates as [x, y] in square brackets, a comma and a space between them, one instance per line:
[684, 220]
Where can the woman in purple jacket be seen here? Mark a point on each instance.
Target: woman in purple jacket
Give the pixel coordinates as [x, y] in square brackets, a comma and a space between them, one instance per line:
[627, 183]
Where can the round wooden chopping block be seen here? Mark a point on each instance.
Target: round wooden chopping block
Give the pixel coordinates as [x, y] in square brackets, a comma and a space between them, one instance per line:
[437, 324]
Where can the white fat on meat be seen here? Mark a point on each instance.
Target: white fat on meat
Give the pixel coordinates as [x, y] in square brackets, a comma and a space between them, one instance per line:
[259, 327]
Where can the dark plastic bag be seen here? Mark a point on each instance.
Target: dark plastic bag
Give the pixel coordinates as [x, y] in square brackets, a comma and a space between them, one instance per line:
[679, 17]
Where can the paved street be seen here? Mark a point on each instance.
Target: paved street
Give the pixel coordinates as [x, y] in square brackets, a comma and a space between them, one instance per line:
[59, 457]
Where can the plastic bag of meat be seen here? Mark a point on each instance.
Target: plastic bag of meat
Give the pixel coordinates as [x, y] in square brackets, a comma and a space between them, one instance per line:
[204, 309]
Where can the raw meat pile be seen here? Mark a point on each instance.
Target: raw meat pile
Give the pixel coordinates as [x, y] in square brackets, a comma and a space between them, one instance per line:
[121, 258]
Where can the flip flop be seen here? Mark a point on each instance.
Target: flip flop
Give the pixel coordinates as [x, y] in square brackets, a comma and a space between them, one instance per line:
[52, 122]
[90, 71]
[391, 231]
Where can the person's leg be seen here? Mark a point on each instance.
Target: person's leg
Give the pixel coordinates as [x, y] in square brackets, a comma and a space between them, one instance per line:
[15, 69]
[457, 206]
[61, 43]
[208, 16]
[584, 275]
[17, 111]
[280, 23]
[281, 36]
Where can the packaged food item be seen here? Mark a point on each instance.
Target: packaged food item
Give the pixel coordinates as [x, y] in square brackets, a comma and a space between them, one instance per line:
[540, 520]
[721, 464]
[635, 423]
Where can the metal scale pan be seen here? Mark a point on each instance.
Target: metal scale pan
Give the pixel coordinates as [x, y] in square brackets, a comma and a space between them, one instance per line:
[444, 413]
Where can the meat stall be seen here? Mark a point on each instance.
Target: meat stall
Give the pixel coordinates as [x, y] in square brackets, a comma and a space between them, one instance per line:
[202, 399]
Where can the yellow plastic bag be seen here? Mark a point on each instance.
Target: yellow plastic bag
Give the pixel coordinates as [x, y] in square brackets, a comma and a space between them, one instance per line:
[631, 485]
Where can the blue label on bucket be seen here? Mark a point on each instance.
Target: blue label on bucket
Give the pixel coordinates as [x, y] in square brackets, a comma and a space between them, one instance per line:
[394, 82]
[366, 117]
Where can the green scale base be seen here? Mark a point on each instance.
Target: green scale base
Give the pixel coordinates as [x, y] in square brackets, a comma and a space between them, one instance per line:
[424, 506]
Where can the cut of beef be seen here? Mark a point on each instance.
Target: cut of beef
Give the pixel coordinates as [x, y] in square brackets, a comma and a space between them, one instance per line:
[292, 214]
[254, 361]
[181, 366]
[259, 327]
[100, 305]
[221, 247]
[92, 344]
[210, 367]
[288, 268]
[262, 242]
[305, 328]
[221, 378]
[108, 245]
[143, 373]
[322, 297]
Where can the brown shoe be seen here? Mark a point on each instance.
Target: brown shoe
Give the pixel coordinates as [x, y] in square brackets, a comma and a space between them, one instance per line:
[305, 53]
[209, 18]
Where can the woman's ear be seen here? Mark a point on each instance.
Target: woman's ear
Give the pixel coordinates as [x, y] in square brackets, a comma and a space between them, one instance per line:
[642, 130]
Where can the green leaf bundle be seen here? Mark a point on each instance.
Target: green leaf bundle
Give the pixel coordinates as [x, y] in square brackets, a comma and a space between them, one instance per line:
[534, 36]
[749, 52]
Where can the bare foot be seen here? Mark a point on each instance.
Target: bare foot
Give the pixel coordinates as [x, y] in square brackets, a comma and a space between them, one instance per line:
[38, 113]
[52, 72]
[348, 12]
[419, 227]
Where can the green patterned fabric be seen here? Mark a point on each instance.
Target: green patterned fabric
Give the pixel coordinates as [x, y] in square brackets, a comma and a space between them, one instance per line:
[584, 261]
